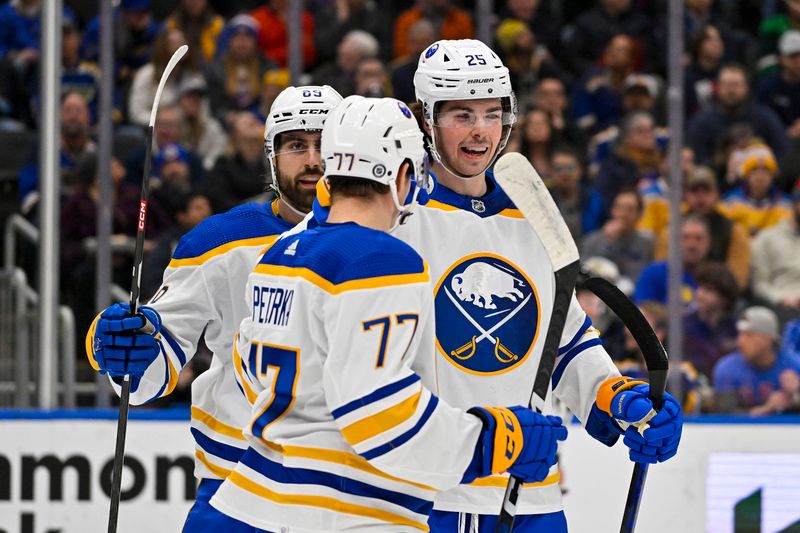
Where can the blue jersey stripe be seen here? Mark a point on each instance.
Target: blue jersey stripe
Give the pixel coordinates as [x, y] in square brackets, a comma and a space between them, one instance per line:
[405, 437]
[587, 323]
[562, 365]
[383, 392]
[174, 345]
[306, 476]
[223, 451]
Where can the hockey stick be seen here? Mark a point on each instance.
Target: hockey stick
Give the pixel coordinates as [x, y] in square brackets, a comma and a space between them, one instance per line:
[657, 362]
[522, 184]
[124, 398]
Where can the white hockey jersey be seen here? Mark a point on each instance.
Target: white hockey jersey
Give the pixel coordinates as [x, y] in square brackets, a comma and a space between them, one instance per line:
[202, 296]
[493, 291]
[336, 315]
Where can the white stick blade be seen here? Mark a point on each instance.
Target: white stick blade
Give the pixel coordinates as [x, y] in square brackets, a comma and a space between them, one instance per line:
[177, 56]
[525, 187]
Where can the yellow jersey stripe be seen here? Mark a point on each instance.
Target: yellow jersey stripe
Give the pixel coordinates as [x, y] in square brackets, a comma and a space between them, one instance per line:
[368, 427]
[352, 285]
[350, 460]
[323, 502]
[219, 250]
[173, 377]
[90, 343]
[502, 482]
[215, 425]
[237, 365]
[511, 213]
[214, 469]
[439, 205]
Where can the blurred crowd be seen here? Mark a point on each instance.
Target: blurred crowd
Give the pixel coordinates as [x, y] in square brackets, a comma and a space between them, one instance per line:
[590, 78]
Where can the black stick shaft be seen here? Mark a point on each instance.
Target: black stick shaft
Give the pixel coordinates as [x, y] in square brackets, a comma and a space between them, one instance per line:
[565, 286]
[125, 396]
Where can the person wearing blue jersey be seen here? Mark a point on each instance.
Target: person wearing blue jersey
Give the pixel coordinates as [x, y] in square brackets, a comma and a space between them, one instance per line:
[200, 297]
[493, 291]
[343, 434]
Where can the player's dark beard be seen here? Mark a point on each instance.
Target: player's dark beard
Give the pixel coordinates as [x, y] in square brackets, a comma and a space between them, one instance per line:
[291, 190]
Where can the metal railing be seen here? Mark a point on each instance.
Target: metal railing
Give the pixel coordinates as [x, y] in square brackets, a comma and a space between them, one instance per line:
[19, 331]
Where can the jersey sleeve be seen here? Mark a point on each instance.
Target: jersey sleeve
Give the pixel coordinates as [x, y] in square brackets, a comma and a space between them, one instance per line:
[582, 363]
[185, 305]
[378, 403]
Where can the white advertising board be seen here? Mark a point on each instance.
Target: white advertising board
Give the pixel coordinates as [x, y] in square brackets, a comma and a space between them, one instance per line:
[55, 478]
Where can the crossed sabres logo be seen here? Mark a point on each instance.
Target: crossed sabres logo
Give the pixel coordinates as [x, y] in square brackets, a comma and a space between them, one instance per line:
[487, 314]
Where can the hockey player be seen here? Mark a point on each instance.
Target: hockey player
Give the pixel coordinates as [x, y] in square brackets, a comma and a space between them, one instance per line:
[343, 434]
[493, 285]
[202, 296]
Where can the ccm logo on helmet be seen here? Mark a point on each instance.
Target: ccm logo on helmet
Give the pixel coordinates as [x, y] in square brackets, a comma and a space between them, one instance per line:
[313, 112]
[480, 80]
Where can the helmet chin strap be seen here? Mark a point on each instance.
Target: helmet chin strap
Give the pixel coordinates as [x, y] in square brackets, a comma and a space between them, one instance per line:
[275, 186]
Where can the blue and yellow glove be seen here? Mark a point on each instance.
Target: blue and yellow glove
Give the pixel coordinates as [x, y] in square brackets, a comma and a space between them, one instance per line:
[515, 439]
[119, 343]
[623, 407]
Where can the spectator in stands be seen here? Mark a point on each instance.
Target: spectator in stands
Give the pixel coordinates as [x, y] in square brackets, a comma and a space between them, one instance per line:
[776, 271]
[619, 240]
[700, 14]
[77, 74]
[709, 327]
[273, 35]
[451, 21]
[730, 241]
[757, 203]
[579, 202]
[355, 47]
[190, 210]
[706, 50]
[336, 19]
[420, 36]
[597, 100]
[635, 157]
[200, 24]
[593, 30]
[772, 29]
[171, 177]
[201, 133]
[791, 339]
[274, 81]
[654, 189]
[133, 33]
[526, 59]
[235, 76]
[20, 35]
[758, 379]
[167, 130]
[780, 90]
[76, 142]
[238, 177]
[371, 79]
[695, 244]
[537, 141]
[707, 129]
[550, 95]
[542, 27]
[146, 79]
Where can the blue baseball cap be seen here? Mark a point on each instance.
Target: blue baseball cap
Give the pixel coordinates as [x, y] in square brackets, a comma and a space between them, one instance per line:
[133, 5]
[169, 153]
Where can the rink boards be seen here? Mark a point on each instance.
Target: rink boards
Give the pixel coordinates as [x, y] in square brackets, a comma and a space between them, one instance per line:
[731, 473]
